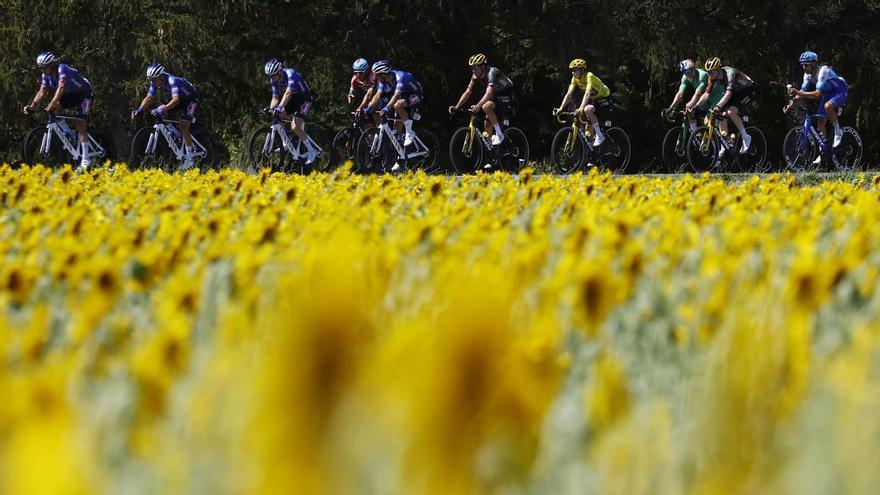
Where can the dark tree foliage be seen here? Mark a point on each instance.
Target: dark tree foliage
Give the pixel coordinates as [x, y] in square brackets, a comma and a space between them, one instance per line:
[633, 46]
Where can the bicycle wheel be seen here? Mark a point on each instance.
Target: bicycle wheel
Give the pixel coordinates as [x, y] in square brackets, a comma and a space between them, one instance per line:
[754, 160]
[799, 150]
[567, 152]
[465, 151]
[31, 153]
[702, 151]
[345, 142]
[513, 152]
[615, 151]
[375, 161]
[266, 151]
[105, 140]
[160, 158]
[209, 161]
[849, 153]
[674, 149]
[430, 163]
[326, 160]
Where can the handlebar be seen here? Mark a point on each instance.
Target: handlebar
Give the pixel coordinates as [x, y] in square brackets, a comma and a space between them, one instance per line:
[581, 119]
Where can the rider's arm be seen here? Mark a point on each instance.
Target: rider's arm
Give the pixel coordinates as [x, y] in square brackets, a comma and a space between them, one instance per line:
[396, 96]
[490, 90]
[377, 97]
[288, 94]
[175, 100]
[368, 95]
[466, 95]
[724, 99]
[145, 103]
[695, 100]
[58, 92]
[567, 98]
[810, 95]
[37, 97]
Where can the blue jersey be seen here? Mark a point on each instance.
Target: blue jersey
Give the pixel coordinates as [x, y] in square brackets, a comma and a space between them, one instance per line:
[177, 86]
[829, 82]
[403, 82]
[74, 82]
[290, 80]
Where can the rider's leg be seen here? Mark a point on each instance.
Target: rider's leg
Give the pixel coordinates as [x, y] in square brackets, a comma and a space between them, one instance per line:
[492, 118]
[692, 123]
[187, 144]
[84, 144]
[594, 123]
[831, 112]
[298, 126]
[400, 108]
[732, 113]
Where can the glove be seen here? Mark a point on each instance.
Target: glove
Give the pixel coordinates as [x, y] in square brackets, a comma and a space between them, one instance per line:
[579, 112]
[368, 111]
[137, 111]
[159, 111]
[277, 110]
[385, 111]
[556, 111]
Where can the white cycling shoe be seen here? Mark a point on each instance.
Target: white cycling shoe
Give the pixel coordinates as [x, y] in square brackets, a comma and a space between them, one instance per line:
[747, 143]
[408, 139]
[395, 167]
[187, 164]
[818, 161]
[311, 156]
[598, 140]
[838, 138]
[83, 167]
[496, 139]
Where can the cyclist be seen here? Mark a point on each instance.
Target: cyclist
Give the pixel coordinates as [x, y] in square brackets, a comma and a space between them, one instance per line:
[825, 85]
[698, 80]
[596, 95]
[184, 100]
[72, 90]
[296, 101]
[496, 99]
[405, 95]
[362, 80]
[738, 91]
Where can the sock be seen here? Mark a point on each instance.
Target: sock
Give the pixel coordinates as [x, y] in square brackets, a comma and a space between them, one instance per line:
[407, 124]
[597, 130]
[309, 146]
[693, 126]
[836, 127]
[189, 152]
[498, 131]
[86, 149]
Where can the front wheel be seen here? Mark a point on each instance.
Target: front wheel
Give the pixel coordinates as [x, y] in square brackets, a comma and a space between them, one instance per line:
[142, 157]
[31, 148]
[674, 149]
[754, 160]
[465, 151]
[345, 143]
[430, 163]
[799, 150]
[513, 152]
[702, 151]
[374, 154]
[567, 152]
[327, 158]
[615, 151]
[848, 155]
[266, 151]
[209, 160]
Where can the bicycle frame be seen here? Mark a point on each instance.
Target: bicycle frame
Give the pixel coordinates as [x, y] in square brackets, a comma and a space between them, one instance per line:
[161, 128]
[810, 129]
[385, 133]
[280, 130]
[473, 131]
[69, 138]
[577, 131]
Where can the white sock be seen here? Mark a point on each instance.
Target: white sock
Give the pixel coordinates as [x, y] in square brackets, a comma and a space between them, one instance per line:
[836, 125]
[693, 126]
[498, 131]
[407, 124]
[189, 152]
[597, 130]
[309, 146]
[86, 148]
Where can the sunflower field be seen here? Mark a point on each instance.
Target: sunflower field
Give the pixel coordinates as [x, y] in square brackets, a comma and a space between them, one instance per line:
[336, 333]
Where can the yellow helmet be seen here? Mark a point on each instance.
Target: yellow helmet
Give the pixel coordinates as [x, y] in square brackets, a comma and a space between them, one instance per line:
[478, 59]
[713, 63]
[578, 63]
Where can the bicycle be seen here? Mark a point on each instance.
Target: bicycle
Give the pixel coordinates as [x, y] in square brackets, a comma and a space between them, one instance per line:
[56, 143]
[277, 148]
[803, 144]
[380, 149]
[674, 148]
[705, 144]
[572, 147]
[161, 146]
[511, 155]
[346, 139]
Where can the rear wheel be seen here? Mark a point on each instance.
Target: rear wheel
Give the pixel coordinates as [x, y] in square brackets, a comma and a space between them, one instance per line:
[754, 160]
[345, 143]
[615, 151]
[567, 152]
[702, 151]
[513, 152]
[674, 149]
[105, 139]
[430, 163]
[799, 150]
[266, 151]
[140, 159]
[849, 153]
[209, 161]
[465, 151]
[31, 153]
[326, 159]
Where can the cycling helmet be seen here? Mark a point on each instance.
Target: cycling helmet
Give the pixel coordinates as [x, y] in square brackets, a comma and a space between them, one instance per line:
[809, 57]
[360, 65]
[578, 63]
[686, 65]
[272, 67]
[381, 67]
[155, 70]
[478, 59]
[713, 63]
[46, 58]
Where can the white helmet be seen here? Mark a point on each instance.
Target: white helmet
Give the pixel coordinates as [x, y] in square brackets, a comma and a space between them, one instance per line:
[272, 67]
[46, 58]
[155, 70]
[381, 67]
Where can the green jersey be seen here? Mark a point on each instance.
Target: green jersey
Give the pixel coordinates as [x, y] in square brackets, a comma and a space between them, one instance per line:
[698, 85]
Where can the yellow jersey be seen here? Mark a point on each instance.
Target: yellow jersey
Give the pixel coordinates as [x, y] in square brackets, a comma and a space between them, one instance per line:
[589, 82]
